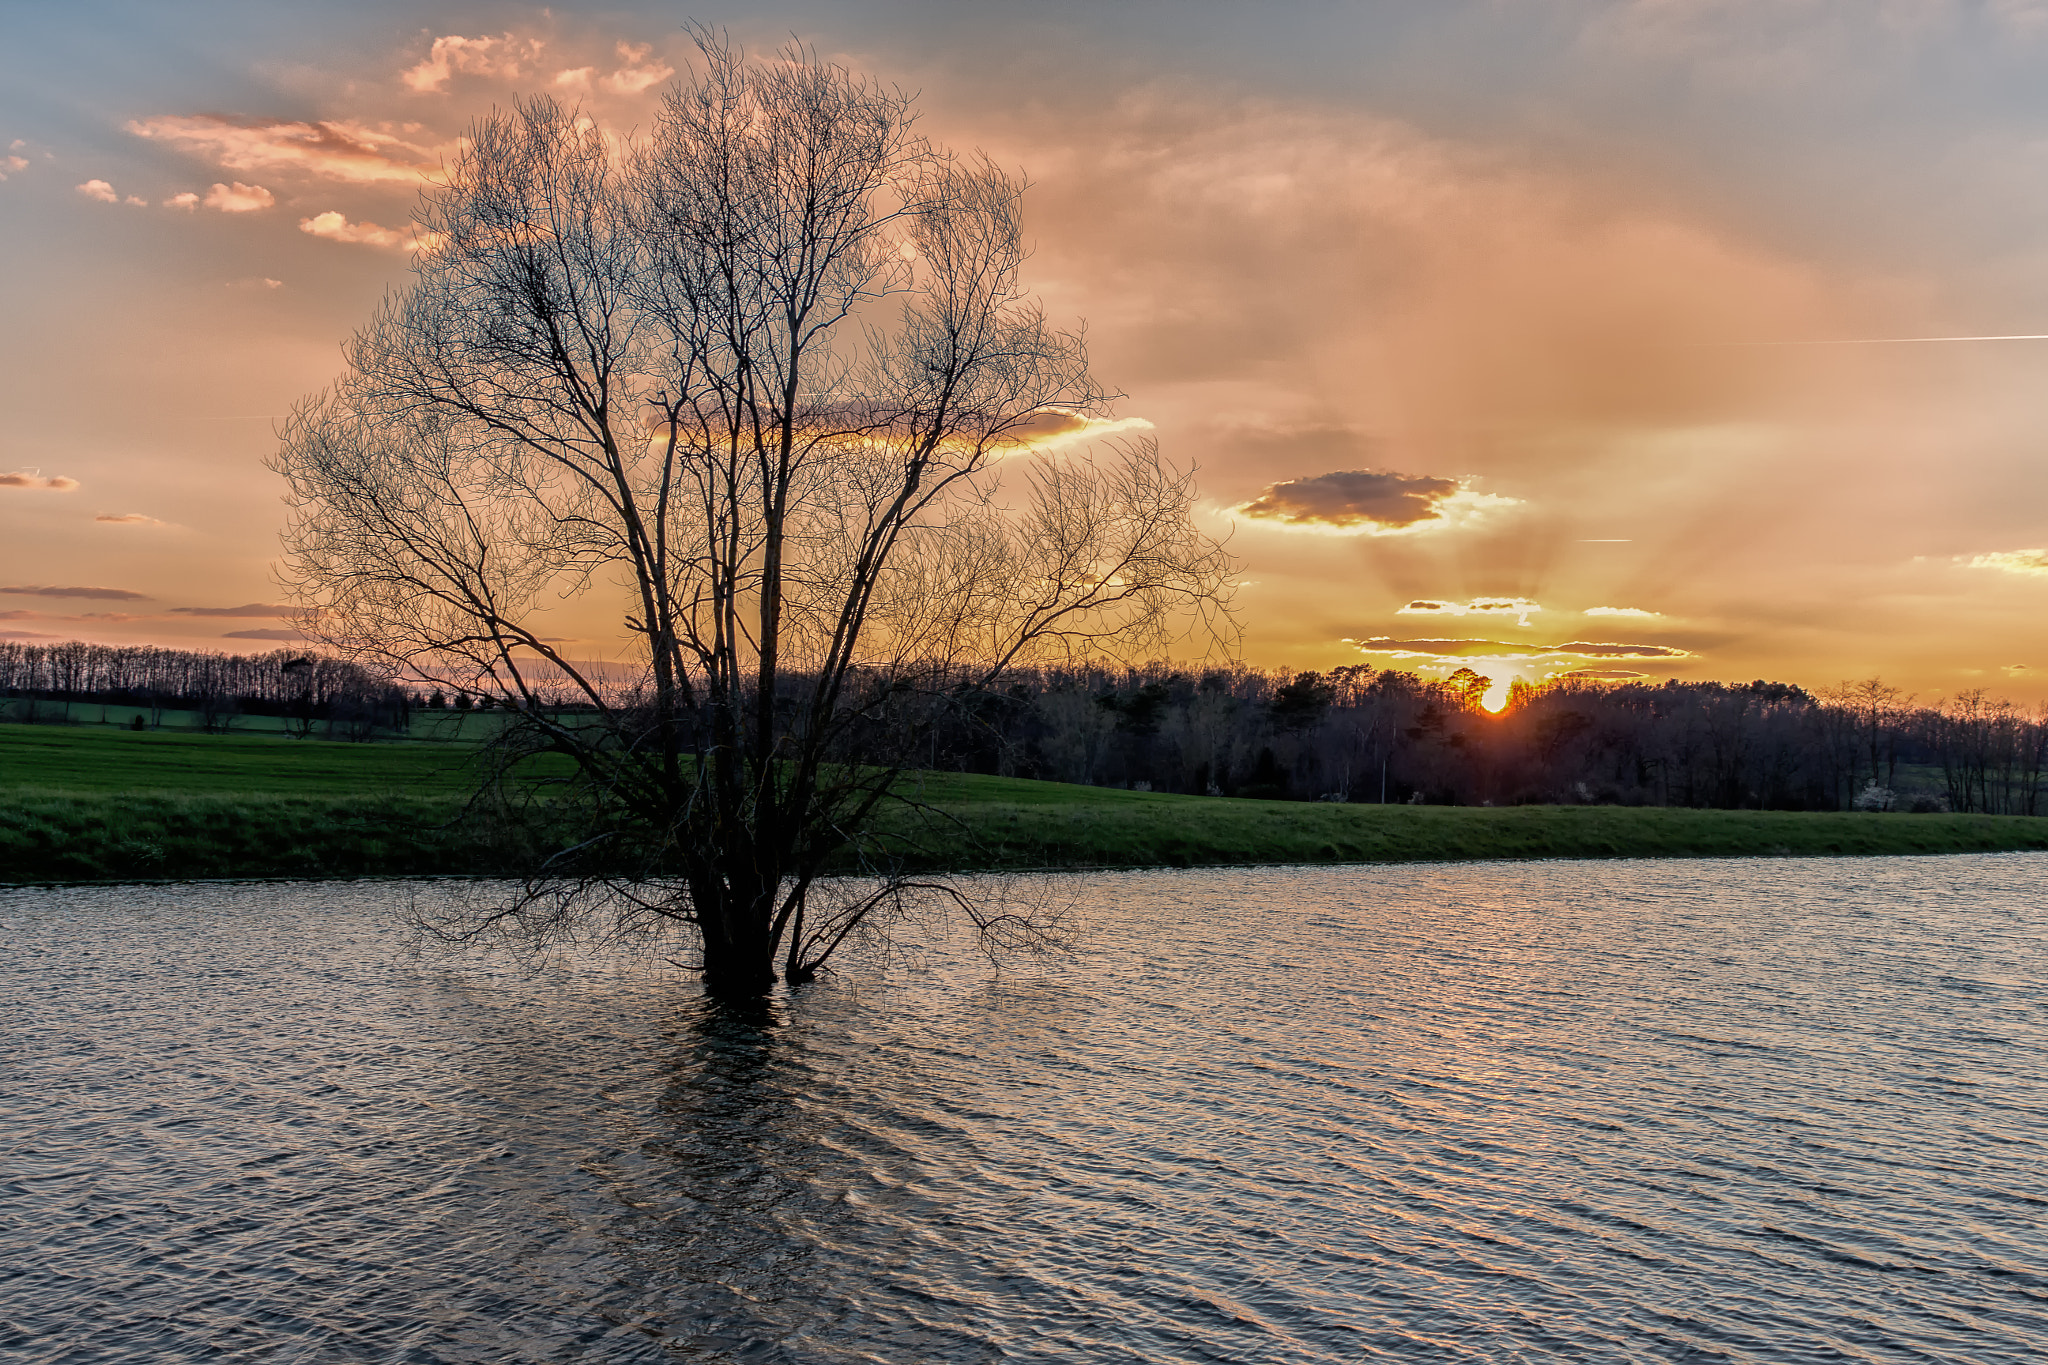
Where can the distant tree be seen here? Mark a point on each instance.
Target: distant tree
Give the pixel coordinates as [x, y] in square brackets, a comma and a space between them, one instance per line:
[1467, 686]
[1300, 703]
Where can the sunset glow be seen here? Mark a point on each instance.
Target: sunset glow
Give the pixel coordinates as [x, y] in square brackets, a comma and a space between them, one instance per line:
[1627, 387]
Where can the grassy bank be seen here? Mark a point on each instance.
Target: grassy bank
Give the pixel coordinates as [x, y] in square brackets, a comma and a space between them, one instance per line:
[103, 805]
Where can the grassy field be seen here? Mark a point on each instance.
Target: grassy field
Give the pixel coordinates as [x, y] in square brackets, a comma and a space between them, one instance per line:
[90, 804]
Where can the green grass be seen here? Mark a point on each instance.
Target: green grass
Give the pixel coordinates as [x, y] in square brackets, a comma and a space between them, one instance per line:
[87, 804]
[1125, 829]
[80, 759]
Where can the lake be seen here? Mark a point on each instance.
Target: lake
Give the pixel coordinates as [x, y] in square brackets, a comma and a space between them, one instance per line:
[1767, 1110]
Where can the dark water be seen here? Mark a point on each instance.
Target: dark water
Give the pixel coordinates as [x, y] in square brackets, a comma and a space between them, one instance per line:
[1769, 1111]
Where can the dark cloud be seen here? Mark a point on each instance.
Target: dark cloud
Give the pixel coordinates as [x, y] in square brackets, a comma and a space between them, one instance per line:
[248, 609]
[26, 635]
[265, 634]
[103, 594]
[1351, 498]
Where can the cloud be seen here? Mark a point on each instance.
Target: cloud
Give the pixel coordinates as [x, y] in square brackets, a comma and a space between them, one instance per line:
[26, 635]
[100, 190]
[2013, 561]
[10, 165]
[239, 198]
[99, 594]
[184, 199]
[1599, 649]
[34, 478]
[248, 609]
[1633, 613]
[1521, 608]
[638, 72]
[1057, 428]
[1496, 649]
[1605, 674]
[332, 149]
[504, 56]
[20, 615]
[576, 78]
[263, 282]
[129, 519]
[267, 633]
[1370, 502]
[336, 227]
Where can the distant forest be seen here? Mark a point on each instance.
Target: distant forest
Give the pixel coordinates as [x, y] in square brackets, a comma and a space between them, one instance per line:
[309, 691]
[1365, 735]
[1355, 734]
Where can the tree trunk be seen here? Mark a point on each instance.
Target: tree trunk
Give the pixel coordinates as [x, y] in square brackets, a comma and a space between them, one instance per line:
[739, 955]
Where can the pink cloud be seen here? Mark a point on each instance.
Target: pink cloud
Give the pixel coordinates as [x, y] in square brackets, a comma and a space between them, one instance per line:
[129, 519]
[100, 190]
[336, 227]
[504, 56]
[332, 149]
[267, 633]
[239, 198]
[185, 200]
[638, 72]
[34, 478]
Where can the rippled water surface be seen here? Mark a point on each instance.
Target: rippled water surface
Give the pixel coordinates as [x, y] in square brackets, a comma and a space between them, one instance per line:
[1771, 1111]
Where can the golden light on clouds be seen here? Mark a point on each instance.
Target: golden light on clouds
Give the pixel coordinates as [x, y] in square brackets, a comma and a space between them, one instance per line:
[1436, 353]
[1518, 607]
[2032, 562]
[1371, 502]
[1496, 649]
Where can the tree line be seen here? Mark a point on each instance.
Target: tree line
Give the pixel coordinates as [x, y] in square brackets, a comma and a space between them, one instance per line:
[307, 689]
[1362, 734]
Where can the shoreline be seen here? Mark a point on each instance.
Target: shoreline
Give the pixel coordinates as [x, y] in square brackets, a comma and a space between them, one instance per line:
[52, 837]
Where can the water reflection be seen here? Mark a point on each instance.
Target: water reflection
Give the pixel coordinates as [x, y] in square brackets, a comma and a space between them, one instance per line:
[1741, 1111]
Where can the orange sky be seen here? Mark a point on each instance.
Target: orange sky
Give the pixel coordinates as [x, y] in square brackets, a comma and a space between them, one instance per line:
[1497, 341]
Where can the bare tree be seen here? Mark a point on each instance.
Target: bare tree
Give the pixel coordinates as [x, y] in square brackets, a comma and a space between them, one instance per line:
[765, 379]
